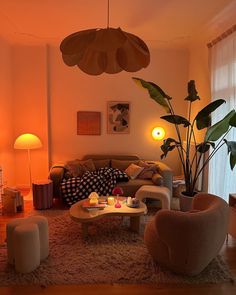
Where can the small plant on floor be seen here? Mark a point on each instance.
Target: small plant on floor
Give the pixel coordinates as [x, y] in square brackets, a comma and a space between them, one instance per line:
[214, 136]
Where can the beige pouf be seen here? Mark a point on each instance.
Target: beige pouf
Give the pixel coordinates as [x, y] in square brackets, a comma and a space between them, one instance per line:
[27, 247]
[161, 193]
[42, 250]
[42, 223]
[10, 244]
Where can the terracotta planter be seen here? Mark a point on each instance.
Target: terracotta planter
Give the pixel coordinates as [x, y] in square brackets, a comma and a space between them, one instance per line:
[185, 202]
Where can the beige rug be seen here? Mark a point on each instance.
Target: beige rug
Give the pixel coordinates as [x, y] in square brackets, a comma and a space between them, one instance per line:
[111, 254]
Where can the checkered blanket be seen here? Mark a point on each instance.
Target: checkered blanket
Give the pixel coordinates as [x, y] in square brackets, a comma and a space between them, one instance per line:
[101, 181]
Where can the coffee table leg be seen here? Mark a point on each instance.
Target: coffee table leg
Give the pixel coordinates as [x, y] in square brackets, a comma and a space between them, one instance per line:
[135, 223]
[84, 230]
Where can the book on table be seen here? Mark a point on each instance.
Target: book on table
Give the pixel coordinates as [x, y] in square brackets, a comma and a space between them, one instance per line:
[88, 206]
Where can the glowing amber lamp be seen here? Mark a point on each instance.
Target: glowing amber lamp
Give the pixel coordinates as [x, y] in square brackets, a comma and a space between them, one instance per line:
[158, 133]
[28, 142]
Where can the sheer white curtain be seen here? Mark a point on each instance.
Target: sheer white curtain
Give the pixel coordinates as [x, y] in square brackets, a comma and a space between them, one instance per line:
[222, 180]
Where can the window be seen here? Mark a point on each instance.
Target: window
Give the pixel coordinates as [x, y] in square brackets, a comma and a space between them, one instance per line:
[222, 180]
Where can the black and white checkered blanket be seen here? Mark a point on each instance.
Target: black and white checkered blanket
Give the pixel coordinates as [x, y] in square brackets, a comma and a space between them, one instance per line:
[101, 181]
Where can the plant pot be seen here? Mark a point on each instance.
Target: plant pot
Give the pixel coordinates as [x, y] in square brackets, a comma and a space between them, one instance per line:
[185, 202]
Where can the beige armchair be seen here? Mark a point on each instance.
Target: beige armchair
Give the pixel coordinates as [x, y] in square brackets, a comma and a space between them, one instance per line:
[186, 242]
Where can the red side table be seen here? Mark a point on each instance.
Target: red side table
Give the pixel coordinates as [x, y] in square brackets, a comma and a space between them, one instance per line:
[42, 194]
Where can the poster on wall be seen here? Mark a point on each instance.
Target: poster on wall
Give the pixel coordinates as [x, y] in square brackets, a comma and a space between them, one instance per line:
[88, 123]
[118, 117]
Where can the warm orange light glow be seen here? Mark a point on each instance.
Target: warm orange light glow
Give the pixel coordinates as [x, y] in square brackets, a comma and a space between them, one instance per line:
[158, 133]
[27, 141]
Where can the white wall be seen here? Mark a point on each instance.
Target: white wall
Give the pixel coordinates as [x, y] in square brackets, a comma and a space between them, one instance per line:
[41, 95]
[30, 112]
[71, 90]
[6, 148]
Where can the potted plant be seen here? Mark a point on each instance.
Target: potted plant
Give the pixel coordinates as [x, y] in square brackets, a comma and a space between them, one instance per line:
[214, 139]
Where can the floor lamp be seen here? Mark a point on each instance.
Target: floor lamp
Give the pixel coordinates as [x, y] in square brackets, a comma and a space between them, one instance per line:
[28, 142]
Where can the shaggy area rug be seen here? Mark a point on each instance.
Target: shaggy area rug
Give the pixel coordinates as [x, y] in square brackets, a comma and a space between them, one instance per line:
[110, 254]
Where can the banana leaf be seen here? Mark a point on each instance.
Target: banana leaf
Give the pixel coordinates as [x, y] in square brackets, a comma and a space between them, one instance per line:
[203, 118]
[232, 121]
[155, 93]
[192, 92]
[175, 119]
[220, 128]
[232, 151]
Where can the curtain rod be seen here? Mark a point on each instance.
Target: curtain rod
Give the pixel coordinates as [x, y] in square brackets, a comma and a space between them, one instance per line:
[222, 36]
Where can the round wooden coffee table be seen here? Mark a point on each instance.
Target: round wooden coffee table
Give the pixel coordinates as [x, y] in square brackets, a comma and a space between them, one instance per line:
[84, 216]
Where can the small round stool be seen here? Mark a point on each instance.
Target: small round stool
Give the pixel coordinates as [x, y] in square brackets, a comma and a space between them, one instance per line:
[42, 223]
[161, 193]
[27, 251]
[22, 235]
[9, 235]
[42, 194]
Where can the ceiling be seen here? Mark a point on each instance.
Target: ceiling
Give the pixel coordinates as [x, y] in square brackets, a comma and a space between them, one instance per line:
[162, 22]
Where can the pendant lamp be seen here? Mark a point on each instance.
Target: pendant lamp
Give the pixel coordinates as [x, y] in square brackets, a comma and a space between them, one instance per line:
[108, 50]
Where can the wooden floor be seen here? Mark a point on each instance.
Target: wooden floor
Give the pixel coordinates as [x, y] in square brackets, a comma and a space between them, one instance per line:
[228, 253]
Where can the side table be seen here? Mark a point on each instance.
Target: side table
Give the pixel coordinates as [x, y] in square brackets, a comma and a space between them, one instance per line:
[232, 215]
[42, 194]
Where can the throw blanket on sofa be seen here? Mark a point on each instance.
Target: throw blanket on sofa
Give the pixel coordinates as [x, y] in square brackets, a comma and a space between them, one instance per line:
[101, 181]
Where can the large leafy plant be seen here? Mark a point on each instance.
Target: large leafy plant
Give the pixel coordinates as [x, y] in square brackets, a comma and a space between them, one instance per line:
[214, 135]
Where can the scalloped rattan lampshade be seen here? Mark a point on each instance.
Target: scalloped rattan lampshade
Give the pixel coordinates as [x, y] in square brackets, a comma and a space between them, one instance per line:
[108, 50]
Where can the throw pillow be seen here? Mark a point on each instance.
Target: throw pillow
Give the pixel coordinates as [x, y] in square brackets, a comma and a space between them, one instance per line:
[133, 171]
[77, 168]
[157, 179]
[122, 164]
[148, 171]
[101, 163]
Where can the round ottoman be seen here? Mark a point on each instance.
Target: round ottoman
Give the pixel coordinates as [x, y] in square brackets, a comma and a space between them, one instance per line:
[27, 252]
[9, 235]
[42, 223]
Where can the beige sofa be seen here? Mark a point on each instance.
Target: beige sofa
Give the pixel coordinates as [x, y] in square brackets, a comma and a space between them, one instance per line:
[186, 242]
[116, 161]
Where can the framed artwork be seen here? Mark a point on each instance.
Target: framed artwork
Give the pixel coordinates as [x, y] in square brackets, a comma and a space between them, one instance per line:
[88, 123]
[118, 117]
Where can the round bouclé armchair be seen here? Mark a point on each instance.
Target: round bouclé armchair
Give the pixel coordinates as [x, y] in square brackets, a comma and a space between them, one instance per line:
[186, 242]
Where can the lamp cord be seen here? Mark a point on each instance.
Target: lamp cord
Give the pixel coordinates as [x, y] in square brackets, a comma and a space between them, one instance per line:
[108, 14]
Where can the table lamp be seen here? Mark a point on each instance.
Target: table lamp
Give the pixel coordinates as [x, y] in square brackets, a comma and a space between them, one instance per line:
[28, 142]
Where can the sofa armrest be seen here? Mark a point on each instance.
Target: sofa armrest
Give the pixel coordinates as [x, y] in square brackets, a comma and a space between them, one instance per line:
[166, 172]
[56, 174]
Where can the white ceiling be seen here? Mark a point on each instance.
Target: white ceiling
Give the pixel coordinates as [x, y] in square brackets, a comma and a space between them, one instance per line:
[162, 22]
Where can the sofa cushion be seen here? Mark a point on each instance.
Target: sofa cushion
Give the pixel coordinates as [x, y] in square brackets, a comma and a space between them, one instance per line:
[157, 179]
[101, 163]
[122, 164]
[133, 185]
[133, 170]
[148, 171]
[77, 168]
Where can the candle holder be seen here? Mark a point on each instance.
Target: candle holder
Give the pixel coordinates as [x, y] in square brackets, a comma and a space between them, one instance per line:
[117, 191]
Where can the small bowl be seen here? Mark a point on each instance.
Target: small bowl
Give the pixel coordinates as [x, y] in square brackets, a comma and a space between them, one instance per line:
[133, 205]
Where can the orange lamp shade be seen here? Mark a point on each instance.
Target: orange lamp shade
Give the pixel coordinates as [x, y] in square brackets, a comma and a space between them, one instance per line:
[27, 141]
[158, 133]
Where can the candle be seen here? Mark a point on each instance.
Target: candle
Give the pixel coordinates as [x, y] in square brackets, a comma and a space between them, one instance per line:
[110, 201]
[93, 201]
[129, 201]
